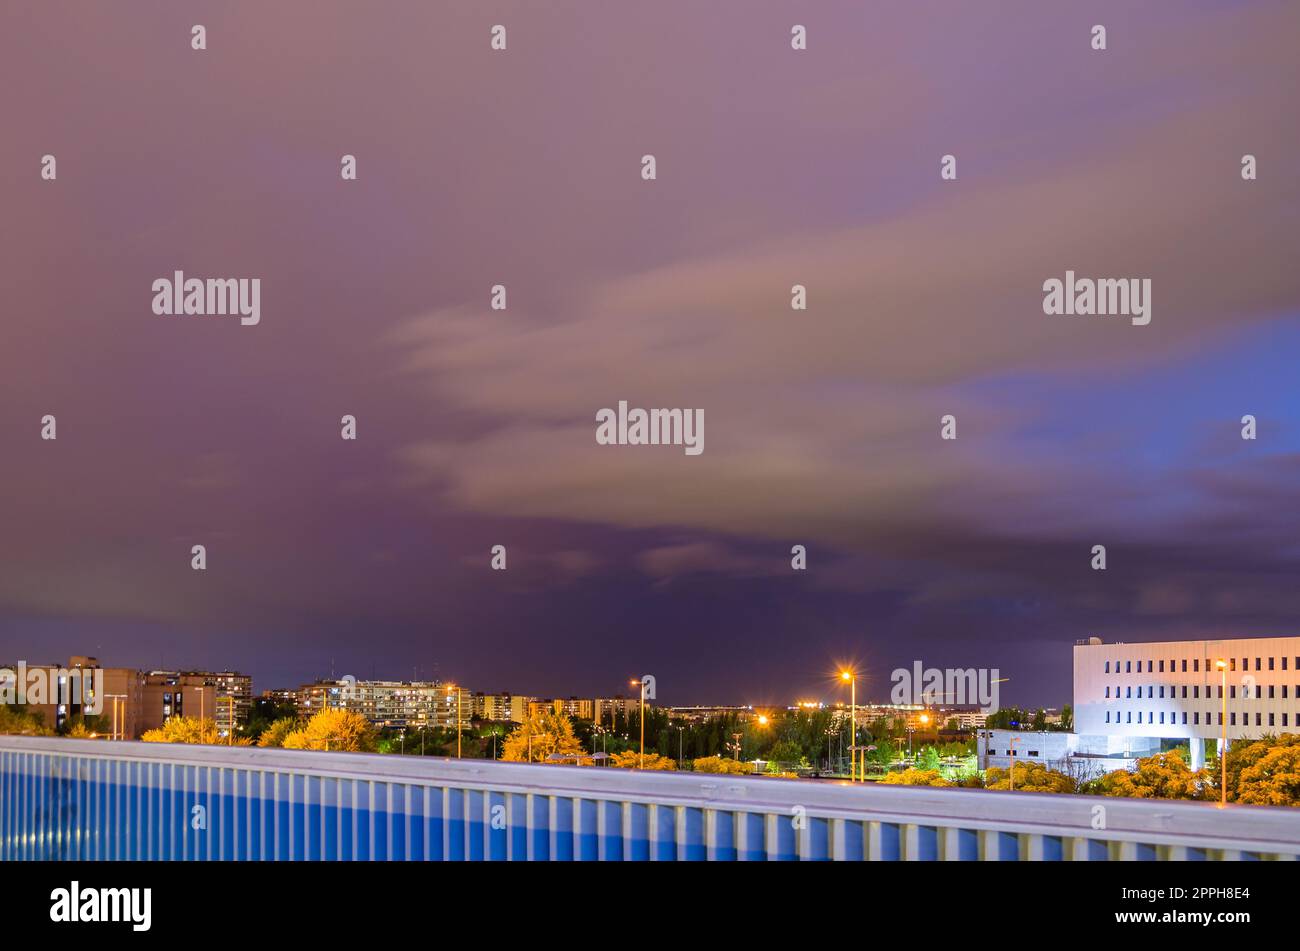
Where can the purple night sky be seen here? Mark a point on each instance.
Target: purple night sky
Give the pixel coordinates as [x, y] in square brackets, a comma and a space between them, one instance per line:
[477, 427]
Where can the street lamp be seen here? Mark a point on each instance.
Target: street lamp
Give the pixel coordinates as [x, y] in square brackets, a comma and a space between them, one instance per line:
[115, 697]
[1223, 721]
[851, 678]
[640, 763]
[458, 691]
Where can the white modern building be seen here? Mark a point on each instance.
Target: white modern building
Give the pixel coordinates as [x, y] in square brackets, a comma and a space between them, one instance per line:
[1188, 690]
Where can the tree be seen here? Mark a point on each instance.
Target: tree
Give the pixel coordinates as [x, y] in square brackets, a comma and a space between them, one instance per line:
[1030, 777]
[716, 764]
[22, 722]
[929, 759]
[274, 735]
[549, 733]
[916, 777]
[184, 730]
[336, 730]
[1264, 772]
[1163, 776]
[631, 760]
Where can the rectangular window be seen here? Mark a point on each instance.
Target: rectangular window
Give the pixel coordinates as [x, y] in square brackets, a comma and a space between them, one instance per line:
[1234, 719]
[1162, 667]
[1184, 718]
[1128, 666]
[1258, 664]
[1107, 666]
[1270, 663]
[1196, 718]
[1259, 719]
[1107, 693]
[1270, 720]
[1149, 663]
[1232, 663]
[1196, 665]
[1184, 665]
[1162, 718]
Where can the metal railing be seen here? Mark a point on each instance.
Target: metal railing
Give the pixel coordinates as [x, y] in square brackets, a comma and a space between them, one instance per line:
[85, 799]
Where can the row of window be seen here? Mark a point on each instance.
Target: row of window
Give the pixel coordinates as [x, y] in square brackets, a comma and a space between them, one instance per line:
[1196, 718]
[1196, 665]
[1248, 691]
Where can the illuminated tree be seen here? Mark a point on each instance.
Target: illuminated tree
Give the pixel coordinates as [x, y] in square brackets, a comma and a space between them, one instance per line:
[716, 764]
[336, 730]
[631, 759]
[184, 730]
[277, 732]
[547, 733]
[916, 777]
[1163, 776]
[1030, 777]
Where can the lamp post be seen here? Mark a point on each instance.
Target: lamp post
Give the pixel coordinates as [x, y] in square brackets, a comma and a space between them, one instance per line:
[640, 763]
[115, 697]
[851, 678]
[459, 691]
[1223, 721]
[680, 742]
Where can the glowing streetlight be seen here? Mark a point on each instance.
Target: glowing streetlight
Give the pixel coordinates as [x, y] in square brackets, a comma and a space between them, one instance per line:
[451, 688]
[851, 678]
[640, 763]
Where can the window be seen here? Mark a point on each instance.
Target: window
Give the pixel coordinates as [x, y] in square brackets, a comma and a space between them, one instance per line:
[1128, 692]
[1129, 717]
[1150, 690]
[1107, 716]
[1107, 666]
[1149, 663]
[1107, 693]
[1151, 717]
[1196, 692]
[1184, 718]
[1162, 692]
[1196, 665]
[1232, 663]
[1162, 718]
[1196, 718]
[1033, 752]
[1259, 719]
[1270, 720]
[1184, 691]
[1184, 665]
[1232, 692]
[1128, 666]
[1270, 663]
[1234, 718]
[1162, 667]
[1258, 665]
[1271, 688]
[1284, 691]
[1284, 719]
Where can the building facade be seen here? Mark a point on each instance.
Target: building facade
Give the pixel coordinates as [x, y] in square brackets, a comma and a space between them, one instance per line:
[1177, 690]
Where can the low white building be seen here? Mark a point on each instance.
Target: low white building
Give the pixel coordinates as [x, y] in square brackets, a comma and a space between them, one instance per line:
[1179, 690]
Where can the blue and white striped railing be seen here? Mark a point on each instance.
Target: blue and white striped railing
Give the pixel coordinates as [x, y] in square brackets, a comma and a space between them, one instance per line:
[85, 799]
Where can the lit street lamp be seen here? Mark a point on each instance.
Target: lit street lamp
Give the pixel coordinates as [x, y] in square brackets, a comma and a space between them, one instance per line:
[640, 763]
[851, 678]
